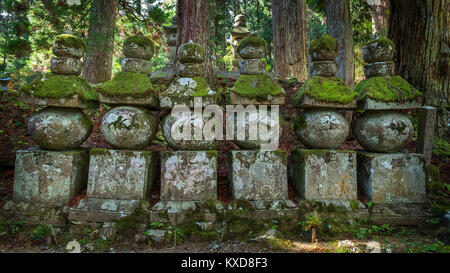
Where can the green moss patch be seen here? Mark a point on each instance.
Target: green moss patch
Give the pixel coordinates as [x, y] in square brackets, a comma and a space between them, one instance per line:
[192, 49]
[127, 84]
[384, 42]
[139, 40]
[328, 89]
[70, 41]
[387, 89]
[56, 86]
[201, 89]
[251, 40]
[256, 86]
[324, 42]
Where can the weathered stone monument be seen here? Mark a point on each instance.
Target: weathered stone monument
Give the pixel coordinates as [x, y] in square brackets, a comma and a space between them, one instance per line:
[322, 173]
[120, 180]
[188, 174]
[171, 33]
[393, 180]
[47, 178]
[238, 33]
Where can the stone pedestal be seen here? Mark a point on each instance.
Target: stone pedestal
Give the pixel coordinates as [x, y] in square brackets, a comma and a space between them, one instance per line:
[392, 178]
[118, 181]
[258, 175]
[324, 174]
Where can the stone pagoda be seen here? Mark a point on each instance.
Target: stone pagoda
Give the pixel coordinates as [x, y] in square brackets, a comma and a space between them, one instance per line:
[238, 33]
[120, 179]
[47, 178]
[321, 172]
[171, 33]
[392, 179]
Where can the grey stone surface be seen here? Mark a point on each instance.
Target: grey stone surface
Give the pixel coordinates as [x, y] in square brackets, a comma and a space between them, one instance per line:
[427, 127]
[59, 129]
[133, 50]
[69, 102]
[121, 174]
[157, 235]
[323, 55]
[376, 52]
[50, 178]
[191, 53]
[66, 65]
[311, 102]
[102, 210]
[321, 128]
[252, 52]
[383, 131]
[188, 175]
[258, 175]
[324, 174]
[62, 50]
[401, 214]
[190, 70]
[193, 119]
[379, 69]
[36, 213]
[129, 127]
[237, 99]
[136, 65]
[252, 66]
[150, 101]
[391, 178]
[369, 104]
[323, 69]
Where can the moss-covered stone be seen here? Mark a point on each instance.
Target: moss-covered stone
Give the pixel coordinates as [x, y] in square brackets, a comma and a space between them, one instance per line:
[56, 86]
[256, 86]
[384, 42]
[191, 53]
[69, 40]
[387, 89]
[331, 89]
[138, 47]
[251, 40]
[323, 43]
[139, 40]
[127, 84]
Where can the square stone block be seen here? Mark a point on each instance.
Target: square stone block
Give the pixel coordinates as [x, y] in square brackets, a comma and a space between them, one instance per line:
[70, 102]
[237, 99]
[49, 177]
[150, 101]
[392, 178]
[324, 174]
[121, 174]
[188, 175]
[258, 175]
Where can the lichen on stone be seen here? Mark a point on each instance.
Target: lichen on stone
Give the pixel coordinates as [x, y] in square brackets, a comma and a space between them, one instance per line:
[127, 84]
[387, 89]
[56, 86]
[384, 42]
[324, 42]
[69, 40]
[328, 89]
[256, 86]
[251, 40]
[139, 40]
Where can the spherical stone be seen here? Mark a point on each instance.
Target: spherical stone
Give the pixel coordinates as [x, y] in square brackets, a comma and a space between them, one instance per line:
[191, 53]
[129, 127]
[323, 69]
[380, 69]
[252, 47]
[188, 142]
[67, 45]
[378, 52]
[58, 129]
[139, 47]
[66, 65]
[256, 144]
[136, 66]
[383, 131]
[189, 70]
[321, 128]
[252, 66]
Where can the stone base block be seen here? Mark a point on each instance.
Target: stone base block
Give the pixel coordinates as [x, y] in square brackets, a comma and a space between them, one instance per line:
[401, 214]
[188, 175]
[371, 104]
[324, 174]
[392, 178]
[258, 175]
[311, 102]
[135, 65]
[121, 174]
[33, 214]
[102, 210]
[350, 208]
[70, 102]
[237, 99]
[150, 101]
[49, 178]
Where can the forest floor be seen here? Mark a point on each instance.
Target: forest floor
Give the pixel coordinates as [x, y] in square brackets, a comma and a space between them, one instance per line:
[14, 117]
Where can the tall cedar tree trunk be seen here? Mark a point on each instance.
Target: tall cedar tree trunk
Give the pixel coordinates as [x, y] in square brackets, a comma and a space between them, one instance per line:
[289, 38]
[100, 41]
[380, 17]
[339, 26]
[420, 29]
[193, 26]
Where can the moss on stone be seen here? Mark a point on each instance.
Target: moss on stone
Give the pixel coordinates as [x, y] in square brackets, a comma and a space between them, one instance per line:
[56, 86]
[69, 40]
[328, 89]
[384, 42]
[201, 89]
[139, 40]
[127, 84]
[192, 49]
[256, 86]
[386, 89]
[324, 42]
[252, 40]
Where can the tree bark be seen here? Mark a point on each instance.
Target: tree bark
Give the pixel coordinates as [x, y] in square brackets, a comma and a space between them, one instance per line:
[380, 17]
[194, 26]
[289, 38]
[100, 41]
[420, 29]
[339, 26]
